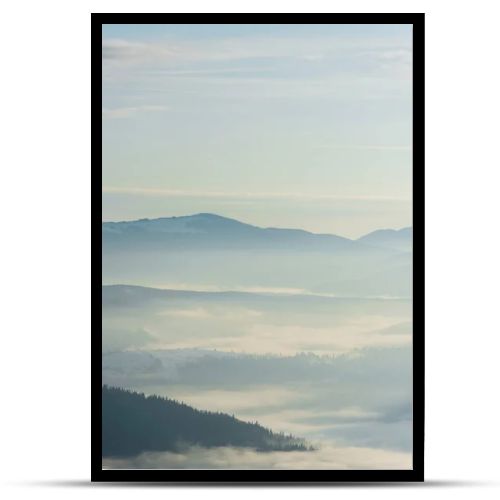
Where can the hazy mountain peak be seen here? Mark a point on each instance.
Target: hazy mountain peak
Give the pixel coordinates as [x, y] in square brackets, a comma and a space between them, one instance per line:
[176, 222]
[209, 216]
[208, 231]
[399, 239]
[202, 216]
[405, 231]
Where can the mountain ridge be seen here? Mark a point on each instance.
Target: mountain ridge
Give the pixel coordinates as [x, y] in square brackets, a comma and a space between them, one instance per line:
[213, 232]
[126, 294]
[400, 239]
[207, 216]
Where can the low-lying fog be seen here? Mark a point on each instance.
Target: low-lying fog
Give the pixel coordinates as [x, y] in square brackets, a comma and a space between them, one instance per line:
[334, 371]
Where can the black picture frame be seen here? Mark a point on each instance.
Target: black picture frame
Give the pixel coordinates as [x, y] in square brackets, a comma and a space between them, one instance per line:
[262, 477]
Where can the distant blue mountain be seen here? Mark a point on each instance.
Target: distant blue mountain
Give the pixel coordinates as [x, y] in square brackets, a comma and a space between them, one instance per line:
[131, 296]
[390, 238]
[209, 231]
[222, 252]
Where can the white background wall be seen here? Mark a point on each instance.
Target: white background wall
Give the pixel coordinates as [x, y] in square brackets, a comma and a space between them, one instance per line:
[45, 263]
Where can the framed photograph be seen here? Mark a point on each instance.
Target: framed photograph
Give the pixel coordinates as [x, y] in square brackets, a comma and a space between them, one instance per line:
[258, 247]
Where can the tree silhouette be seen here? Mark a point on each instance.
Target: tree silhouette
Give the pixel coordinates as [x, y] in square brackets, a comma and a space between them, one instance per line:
[133, 423]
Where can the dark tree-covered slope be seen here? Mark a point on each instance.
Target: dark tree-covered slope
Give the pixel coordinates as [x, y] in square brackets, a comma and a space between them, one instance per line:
[133, 423]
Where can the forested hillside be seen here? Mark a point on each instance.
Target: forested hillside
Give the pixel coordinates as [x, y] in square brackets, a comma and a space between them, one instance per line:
[133, 423]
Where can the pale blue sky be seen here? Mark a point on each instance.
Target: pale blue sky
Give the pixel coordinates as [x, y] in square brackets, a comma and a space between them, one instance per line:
[277, 125]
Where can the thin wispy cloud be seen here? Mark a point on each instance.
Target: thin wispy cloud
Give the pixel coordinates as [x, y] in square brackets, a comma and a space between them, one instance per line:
[127, 112]
[146, 191]
[293, 54]
[126, 51]
[216, 72]
[361, 147]
[306, 48]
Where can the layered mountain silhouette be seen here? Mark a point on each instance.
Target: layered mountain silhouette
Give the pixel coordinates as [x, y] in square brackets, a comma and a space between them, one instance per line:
[390, 238]
[133, 423]
[215, 231]
[132, 296]
[210, 231]
[218, 251]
